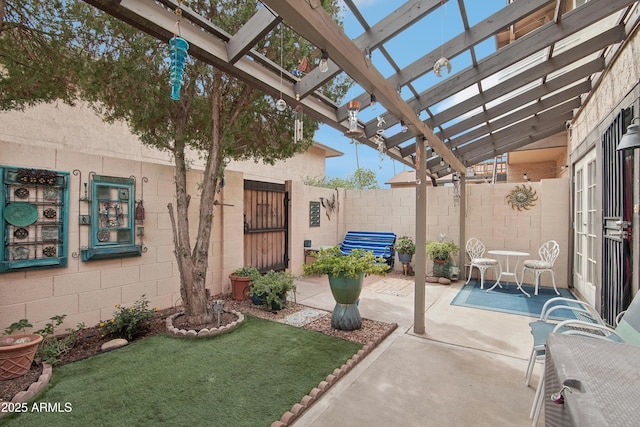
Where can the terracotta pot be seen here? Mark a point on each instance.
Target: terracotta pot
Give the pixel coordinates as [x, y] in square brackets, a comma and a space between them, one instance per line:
[240, 287]
[15, 360]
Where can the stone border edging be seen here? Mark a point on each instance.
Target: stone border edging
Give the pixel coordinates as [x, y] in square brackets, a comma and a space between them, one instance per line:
[203, 332]
[35, 387]
[298, 408]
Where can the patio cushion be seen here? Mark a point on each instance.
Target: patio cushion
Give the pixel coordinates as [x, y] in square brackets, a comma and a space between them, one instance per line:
[484, 261]
[537, 264]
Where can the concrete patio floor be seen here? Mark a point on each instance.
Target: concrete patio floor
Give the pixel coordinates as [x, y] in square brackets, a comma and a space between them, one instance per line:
[466, 370]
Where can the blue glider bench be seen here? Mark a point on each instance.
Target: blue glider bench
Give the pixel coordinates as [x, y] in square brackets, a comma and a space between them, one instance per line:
[380, 243]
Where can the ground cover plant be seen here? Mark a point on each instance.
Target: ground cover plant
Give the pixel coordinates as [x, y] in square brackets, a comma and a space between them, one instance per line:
[248, 377]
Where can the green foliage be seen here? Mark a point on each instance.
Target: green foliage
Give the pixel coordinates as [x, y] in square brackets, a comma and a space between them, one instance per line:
[20, 325]
[441, 251]
[362, 179]
[247, 271]
[52, 346]
[129, 322]
[272, 288]
[331, 261]
[405, 245]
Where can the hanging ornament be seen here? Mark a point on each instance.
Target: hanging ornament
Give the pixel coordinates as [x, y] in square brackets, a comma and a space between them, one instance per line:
[353, 107]
[178, 48]
[442, 62]
[178, 54]
[301, 68]
[281, 105]
[297, 127]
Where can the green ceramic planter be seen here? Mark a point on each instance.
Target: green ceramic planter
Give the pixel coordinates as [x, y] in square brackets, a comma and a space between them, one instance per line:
[346, 291]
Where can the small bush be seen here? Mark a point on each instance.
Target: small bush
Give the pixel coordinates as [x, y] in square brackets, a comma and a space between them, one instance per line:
[129, 322]
[53, 347]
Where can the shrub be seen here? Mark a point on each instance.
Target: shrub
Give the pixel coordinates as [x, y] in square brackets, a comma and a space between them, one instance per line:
[247, 271]
[331, 261]
[52, 346]
[271, 288]
[129, 322]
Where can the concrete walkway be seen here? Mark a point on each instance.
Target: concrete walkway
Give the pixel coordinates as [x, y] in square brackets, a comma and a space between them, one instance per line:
[466, 370]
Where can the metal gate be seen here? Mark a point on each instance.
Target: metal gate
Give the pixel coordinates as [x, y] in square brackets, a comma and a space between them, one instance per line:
[617, 201]
[266, 225]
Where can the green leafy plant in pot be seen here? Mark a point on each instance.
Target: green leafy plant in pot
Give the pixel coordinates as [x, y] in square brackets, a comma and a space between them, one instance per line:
[241, 280]
[17, 350]
[440, 252]
[346, 274]
[405, 247]
[270, 290]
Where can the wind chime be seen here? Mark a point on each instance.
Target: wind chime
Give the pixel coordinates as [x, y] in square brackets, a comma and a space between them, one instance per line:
[353, 107]
[443, 61]
[178, 48]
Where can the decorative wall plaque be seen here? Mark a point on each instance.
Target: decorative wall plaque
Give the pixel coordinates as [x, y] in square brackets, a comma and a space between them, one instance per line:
[522, 197]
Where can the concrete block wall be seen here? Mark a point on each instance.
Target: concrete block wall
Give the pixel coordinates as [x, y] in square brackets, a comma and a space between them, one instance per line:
[488, 217]
[88, 291]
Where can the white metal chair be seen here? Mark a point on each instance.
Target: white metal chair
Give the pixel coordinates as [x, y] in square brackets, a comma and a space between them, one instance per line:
[548, 252]
[475, 249]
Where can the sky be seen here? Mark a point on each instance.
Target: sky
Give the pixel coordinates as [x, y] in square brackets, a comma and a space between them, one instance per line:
[413, 43]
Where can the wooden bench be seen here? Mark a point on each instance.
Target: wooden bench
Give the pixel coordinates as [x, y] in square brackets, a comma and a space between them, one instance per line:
[380, 243]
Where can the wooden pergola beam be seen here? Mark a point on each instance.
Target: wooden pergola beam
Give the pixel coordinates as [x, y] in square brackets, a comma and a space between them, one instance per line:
[312, 22]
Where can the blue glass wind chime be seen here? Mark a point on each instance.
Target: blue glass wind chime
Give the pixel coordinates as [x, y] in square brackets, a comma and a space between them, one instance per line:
[178, 48]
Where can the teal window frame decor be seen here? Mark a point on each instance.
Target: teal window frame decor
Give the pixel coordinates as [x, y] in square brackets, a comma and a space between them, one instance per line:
[112, 219]
[35, 218]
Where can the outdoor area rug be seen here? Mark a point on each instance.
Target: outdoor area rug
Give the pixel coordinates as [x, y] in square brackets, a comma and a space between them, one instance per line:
[509, 299]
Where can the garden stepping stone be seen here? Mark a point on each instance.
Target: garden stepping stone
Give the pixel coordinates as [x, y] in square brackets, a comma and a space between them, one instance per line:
[116, 343]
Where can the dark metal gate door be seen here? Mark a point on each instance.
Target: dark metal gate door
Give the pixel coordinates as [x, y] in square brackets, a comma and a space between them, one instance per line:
[266, 225]
[617, 201]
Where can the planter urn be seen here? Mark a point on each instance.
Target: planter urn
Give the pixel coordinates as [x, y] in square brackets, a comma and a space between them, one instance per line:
[240, 287]
[346, 291]
[15, 359]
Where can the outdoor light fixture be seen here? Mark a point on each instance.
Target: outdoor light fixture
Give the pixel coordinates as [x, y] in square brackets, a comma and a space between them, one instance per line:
[323, 65]
[441, 162]
[448, 168]
[373, 101]
[404, 127]
[525, 176]
[631, 139]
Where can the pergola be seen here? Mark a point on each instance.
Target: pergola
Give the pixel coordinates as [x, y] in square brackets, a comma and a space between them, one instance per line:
[527, 90]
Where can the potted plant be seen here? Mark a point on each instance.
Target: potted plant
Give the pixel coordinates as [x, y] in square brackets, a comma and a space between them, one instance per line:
[346, 274]
[240, 281]
[440, 252]
[405, 247]
[17, 350]
[270, 290]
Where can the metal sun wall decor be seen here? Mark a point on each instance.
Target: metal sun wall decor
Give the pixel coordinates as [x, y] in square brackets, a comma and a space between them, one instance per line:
[522, 197]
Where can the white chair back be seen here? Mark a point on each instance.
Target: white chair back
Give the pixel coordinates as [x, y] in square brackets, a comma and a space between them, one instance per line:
[475, 248]
[549, 251]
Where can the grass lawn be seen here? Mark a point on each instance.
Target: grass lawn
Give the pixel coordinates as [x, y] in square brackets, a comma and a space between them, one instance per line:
[248, 377]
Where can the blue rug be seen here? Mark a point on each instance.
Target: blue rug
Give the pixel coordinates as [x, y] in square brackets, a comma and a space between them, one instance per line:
[509, 299]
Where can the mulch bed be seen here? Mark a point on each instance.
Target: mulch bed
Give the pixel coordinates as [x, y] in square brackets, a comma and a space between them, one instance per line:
[90, 340]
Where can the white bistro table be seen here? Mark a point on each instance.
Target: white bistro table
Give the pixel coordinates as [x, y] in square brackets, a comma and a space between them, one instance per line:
[507, 255]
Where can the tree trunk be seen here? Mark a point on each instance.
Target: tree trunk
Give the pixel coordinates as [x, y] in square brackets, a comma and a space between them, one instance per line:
[193, 264]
